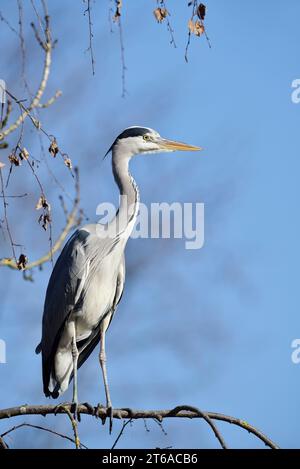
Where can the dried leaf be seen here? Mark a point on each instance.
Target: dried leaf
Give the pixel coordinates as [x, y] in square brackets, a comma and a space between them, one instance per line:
[24, 154]
[118, 11]
[199, 28]
[44, 220]
[196, 28]
[14, 159]
[53, 149]
[22, 261]
[160, 14]
[68, 163]
[42, 203]
[201, 11]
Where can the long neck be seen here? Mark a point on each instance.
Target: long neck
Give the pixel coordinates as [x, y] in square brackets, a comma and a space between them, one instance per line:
[129, 195]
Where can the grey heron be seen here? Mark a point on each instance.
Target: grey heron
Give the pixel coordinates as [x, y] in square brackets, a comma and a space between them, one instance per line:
[87, 280]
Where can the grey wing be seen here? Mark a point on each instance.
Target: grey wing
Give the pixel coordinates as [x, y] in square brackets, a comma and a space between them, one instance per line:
[86, 346]
[119, 288]
[64, 288]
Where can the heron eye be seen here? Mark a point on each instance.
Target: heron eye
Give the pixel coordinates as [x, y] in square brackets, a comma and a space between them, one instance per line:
[146, 138]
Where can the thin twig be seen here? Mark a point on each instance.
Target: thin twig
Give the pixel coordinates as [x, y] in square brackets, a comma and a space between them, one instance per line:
[46, 210]
[121, 433]
[2, 18]
[50, 101]
[14, 196]
[47, 46]
[189, 34]
[22, 46]
[38, 427]
[6, 220]
[38, 125]
[7, 113]
[72, 220]
[40, 20]
[91, 35]
[169, 27]
[194, 13]
[74, 426]
[207, 418]
[124, 68]
[160, 426]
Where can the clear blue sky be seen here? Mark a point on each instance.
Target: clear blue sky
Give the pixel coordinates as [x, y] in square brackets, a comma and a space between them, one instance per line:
[211, 328]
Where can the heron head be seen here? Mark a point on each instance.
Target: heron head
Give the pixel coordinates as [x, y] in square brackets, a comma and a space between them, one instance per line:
[141, 140]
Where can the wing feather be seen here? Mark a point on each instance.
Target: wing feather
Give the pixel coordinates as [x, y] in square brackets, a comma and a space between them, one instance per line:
[64, 289]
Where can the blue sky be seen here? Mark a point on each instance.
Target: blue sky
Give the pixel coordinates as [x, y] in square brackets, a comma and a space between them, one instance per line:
[211, 328]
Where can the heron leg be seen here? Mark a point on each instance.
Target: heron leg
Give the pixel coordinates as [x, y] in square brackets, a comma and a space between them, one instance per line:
[102, 360]
[75, 355]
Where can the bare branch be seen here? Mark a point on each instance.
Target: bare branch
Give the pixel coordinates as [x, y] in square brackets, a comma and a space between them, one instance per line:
[72, 220]
[47, 46]
[2, 18]
[121, 433]
[189, 34]
[7, 113]
[38, 125]
[38, 427]
[73, 423]
[178, 412]
[50, 101]
[14, 196]
[90, 48]
[161, 13]
[196, 27]
[124, 68]
[6, 220]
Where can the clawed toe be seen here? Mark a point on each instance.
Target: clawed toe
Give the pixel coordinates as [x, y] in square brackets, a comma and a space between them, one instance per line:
[99, 407]
[109, 412]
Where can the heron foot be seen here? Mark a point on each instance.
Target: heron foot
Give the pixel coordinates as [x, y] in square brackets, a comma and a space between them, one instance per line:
[109, 414]
[99, 407]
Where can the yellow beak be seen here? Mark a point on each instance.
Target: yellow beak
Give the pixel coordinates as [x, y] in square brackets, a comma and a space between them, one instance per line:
[172, 145]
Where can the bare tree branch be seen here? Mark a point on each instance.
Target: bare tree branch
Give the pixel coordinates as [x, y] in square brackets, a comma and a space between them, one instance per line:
[6, 219]
[90, 48]
[161, 13]
[183, 411]
[38, 427]
[73, 423]
[72, 220]
[50, 101]
[47, 46]
[7, 113]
